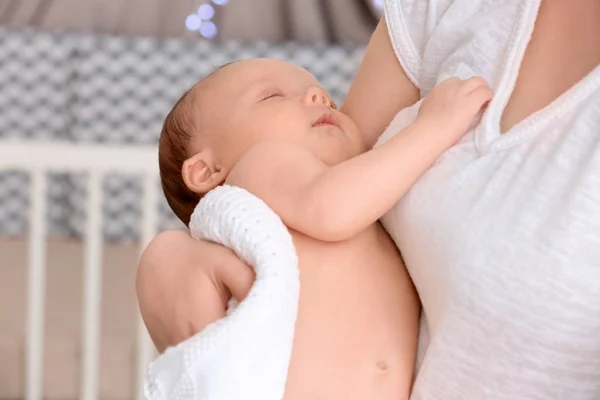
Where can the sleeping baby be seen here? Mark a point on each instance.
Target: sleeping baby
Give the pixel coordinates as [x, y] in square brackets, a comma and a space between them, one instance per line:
[268, 128]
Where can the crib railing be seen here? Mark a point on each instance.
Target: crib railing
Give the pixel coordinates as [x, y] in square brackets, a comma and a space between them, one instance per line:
[38, 159]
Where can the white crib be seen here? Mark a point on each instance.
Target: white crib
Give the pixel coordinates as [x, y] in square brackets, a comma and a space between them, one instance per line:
[38, 159]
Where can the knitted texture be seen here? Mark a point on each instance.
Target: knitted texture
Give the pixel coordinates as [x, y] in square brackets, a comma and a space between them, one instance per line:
[246, 354]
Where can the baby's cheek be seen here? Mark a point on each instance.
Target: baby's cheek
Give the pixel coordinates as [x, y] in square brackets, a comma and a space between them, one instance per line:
[283, 125]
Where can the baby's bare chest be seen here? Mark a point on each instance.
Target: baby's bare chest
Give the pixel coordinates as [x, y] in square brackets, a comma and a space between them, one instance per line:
[352, 275]
[370, 255]
[349, 332]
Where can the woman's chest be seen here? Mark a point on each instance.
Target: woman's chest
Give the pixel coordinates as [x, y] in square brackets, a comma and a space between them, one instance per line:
[564, 47]
[530, 52]
[517, 214]
[508, 224]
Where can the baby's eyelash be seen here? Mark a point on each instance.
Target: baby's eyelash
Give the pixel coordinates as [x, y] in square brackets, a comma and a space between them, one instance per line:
[268, 96]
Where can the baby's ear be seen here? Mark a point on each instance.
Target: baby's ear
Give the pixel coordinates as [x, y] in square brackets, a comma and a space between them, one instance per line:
[201, 174]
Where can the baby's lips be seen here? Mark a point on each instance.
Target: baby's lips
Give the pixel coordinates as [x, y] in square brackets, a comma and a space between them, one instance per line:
[326, 119]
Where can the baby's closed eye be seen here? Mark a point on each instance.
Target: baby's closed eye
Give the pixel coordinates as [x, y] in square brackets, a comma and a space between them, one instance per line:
[271, 95]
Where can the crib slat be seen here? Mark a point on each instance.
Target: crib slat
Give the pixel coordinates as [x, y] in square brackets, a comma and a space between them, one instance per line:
[77, 157]
[92, 288]
[36, 286]
[146, 349]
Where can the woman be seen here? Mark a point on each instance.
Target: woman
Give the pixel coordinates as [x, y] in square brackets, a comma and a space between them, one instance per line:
[502, 235]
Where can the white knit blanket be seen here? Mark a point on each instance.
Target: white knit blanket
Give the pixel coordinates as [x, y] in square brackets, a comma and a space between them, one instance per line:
[245, 355]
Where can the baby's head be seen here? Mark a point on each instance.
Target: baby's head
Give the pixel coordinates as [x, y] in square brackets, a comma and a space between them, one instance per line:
[238, 105]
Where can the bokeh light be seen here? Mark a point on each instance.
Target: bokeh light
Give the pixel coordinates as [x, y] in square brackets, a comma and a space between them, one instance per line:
[193, 22]
[206, 12]
[202, 22]
[208, 29]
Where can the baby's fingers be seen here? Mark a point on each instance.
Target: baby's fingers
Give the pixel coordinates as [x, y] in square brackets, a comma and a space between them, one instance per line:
[474, 83]
[481, 94]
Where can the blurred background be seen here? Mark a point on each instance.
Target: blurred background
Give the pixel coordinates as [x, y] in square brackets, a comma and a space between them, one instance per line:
[98, 73]
[308, 21]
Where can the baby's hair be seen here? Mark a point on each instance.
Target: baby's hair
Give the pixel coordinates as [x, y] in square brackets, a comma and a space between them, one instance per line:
[173, 145]
[179, 127]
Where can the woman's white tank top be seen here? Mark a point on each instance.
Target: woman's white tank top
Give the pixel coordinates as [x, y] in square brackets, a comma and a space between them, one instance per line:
[502, 235]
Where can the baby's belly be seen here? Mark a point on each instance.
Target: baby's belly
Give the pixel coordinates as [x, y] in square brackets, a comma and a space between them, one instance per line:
[352, 337]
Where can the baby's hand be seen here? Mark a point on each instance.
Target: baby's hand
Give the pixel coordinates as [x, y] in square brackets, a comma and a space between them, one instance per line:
[452, 106]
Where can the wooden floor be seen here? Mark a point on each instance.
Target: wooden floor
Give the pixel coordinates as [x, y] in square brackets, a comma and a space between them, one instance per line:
[63, 319]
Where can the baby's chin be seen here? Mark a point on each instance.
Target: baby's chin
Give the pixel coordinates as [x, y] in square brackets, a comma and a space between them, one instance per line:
[354, 135]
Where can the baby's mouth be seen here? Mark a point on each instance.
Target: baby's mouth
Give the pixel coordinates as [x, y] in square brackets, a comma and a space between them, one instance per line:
[326, 119]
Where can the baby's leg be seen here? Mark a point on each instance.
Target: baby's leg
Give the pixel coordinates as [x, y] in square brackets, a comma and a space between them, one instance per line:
[183, 284]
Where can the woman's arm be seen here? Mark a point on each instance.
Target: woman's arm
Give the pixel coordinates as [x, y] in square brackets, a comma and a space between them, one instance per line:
[380, 89]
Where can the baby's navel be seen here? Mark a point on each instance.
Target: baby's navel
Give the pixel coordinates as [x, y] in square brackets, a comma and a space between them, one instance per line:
[382, 366]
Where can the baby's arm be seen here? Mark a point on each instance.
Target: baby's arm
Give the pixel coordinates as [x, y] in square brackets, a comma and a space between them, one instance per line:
[335, 203]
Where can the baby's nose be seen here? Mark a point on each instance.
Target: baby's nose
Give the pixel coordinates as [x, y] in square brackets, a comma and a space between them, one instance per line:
[317, 96]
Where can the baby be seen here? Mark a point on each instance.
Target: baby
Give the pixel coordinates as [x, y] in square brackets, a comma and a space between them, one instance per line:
[267, 126]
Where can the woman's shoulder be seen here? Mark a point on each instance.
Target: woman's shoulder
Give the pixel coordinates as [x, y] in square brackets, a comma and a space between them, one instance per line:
[426, 33]
[410, 23]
